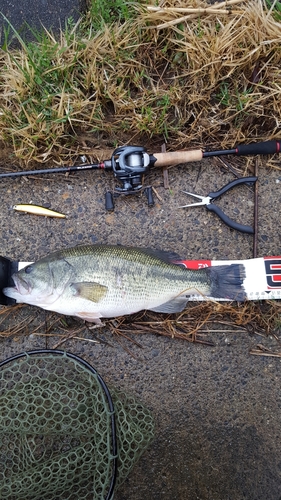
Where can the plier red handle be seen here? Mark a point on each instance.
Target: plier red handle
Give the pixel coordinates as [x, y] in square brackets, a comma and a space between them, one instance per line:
[207, 201]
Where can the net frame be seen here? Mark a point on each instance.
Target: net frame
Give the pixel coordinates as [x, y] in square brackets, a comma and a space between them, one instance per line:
[51, 353]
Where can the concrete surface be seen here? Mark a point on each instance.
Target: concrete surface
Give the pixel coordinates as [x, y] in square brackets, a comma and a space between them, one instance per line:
[217, 409]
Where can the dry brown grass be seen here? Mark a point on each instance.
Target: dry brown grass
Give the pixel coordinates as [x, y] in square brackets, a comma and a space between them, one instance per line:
[199, 323]
[205, 76]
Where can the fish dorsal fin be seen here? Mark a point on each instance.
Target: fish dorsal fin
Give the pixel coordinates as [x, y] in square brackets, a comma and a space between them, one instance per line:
[89, 290]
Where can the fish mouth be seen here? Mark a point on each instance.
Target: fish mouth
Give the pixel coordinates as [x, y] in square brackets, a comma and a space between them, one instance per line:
[20, 285]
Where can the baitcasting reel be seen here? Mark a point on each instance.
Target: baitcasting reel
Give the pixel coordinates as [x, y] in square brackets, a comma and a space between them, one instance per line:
[129, 164]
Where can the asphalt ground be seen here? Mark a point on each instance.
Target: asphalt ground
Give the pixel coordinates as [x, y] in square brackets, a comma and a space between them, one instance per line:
[36, 14]
[217, 407]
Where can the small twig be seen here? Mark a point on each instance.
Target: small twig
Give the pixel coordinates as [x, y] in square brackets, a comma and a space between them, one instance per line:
[229, 167]
[214, 7]
[156, 193]
[221, 331]
[67, 337]
[118, 331]
[193, 13]
[264, 351]
[190, 10]
[124, 347]
[87, 340]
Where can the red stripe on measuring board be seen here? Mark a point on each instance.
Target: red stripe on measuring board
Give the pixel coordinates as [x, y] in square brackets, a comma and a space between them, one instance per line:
[194, 264]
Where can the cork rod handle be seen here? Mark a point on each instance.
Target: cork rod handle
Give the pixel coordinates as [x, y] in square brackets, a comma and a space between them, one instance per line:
[174, 158]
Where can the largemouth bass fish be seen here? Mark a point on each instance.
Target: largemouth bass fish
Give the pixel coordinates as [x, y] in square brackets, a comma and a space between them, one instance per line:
[100, 281]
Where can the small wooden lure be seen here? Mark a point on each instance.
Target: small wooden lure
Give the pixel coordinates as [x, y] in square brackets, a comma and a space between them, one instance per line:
[35, 209]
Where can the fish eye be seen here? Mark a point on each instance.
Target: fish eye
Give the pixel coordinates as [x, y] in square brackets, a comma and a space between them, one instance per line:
[28, 269]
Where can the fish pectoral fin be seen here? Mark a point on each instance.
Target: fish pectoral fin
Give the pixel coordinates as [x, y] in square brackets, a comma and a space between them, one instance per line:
[172, 306]
[89, 290]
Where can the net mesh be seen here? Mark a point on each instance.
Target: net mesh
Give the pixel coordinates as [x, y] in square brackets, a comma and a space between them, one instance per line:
[59, 428]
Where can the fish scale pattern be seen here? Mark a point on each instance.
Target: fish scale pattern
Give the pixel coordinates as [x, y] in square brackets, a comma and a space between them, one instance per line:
[56, 433]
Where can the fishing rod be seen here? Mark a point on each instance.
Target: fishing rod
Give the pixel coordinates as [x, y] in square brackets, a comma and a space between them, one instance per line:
[130, 163]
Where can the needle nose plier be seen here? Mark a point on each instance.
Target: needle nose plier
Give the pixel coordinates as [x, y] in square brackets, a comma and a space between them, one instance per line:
[207, 201]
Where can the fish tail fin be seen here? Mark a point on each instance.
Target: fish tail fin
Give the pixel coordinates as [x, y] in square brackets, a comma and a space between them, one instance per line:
[227, 282]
